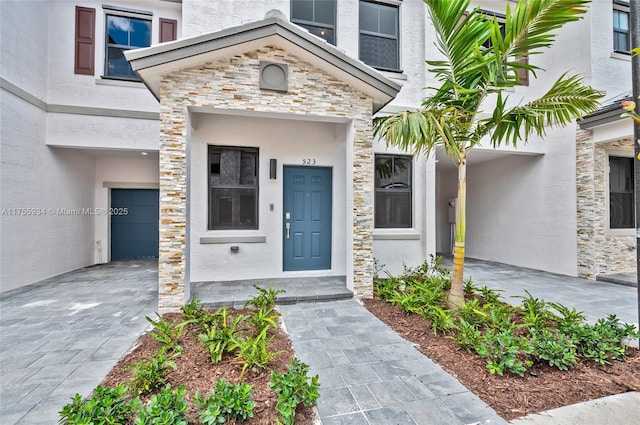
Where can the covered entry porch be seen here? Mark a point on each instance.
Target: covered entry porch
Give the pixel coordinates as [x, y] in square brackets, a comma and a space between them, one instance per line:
[239, 108]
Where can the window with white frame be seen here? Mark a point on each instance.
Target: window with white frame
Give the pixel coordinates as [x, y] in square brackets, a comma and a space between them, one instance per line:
[124, 29]
[124, 33]
[233, 188]
[621, 35]
[317, 16]
[621, 193]
[379, 35]
[392, 191]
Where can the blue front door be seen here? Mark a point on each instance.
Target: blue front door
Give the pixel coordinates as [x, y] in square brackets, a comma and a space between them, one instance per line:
[307, 218]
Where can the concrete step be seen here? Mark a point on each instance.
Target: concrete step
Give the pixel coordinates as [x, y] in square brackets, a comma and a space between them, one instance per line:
[627, 279]
[297, 290]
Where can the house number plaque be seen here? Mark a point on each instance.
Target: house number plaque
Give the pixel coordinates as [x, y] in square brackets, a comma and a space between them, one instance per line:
[308, 161]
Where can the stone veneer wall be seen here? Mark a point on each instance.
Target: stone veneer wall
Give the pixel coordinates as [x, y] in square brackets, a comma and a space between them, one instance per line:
[232, 84]
[599, 252]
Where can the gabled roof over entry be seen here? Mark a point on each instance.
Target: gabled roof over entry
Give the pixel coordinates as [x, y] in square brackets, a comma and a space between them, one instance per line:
[152, 62]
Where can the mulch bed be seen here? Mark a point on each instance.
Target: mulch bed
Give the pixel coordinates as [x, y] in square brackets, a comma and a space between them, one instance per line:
[513, 396]
[196, 372]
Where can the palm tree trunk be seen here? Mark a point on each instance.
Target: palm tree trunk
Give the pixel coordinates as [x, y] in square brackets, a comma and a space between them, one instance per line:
[456, 293]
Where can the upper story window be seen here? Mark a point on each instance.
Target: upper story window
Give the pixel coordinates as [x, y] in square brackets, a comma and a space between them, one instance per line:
[621, 38]
[393, 191]
[621, 204]
[379, 45]
[124, 29]
[124, 33]
[317, 16]
[233, 188]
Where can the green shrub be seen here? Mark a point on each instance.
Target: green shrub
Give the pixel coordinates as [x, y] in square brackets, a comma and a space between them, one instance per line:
[407, 301]
[167, 333]
[490, 296]
[167, 408]
[152, 371]
[108, 406]
[472, 313]
[294, 388]
[549, 332]
[606, 340]
[499, 316]
[194, 310]
[467, 335]
[387, 288]
[569, 319]
[220, 332]
[227, 402]
[264, 318]
[503, 351]
[554, 348]
[254, 351]
[441, 319]
[470, 288]
[265, 299]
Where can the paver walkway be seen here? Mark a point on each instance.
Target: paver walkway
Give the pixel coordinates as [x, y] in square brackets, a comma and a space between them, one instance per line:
[64, 334]
[370, 375]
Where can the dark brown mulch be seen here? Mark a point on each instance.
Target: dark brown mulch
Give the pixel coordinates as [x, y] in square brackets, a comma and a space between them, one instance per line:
[197, 373]
[513, 396]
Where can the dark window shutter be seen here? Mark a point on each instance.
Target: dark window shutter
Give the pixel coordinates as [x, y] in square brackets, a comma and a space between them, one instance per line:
[168, 30]
[523, 73]
[85, 40]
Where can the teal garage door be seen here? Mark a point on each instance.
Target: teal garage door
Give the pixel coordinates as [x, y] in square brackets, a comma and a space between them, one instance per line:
[134, 224]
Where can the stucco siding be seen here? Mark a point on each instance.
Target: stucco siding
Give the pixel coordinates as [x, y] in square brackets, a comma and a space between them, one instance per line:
[49, 181]
[287, 141]
[23, 51]
[67, 88]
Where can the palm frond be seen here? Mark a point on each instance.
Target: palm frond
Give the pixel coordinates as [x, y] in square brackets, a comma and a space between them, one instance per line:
[569, 98]
[459, 35]
[421, 131]
[532, 25]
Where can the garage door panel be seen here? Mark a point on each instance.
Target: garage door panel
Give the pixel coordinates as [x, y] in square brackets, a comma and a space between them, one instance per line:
[134, 235]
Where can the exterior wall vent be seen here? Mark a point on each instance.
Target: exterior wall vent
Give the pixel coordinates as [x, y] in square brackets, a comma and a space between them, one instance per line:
[274, 76]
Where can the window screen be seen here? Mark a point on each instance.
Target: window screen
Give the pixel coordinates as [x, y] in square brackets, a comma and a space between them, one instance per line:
[233, 188]
[621, 201]
[393, 191]
[317, 16]
[122, 34]
[379, 35]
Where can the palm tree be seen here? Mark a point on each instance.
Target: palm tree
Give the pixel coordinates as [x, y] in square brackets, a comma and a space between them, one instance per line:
[481, 59]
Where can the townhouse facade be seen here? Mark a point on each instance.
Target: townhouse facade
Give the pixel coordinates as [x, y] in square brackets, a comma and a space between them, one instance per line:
[232, 139]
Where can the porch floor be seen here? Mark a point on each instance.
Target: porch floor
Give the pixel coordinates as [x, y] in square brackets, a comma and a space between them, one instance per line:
[236, 293]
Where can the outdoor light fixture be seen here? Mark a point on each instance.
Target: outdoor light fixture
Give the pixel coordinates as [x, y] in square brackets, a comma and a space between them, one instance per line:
[273, 166]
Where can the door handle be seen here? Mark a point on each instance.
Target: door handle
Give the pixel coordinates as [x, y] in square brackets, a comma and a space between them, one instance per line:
[287, 226]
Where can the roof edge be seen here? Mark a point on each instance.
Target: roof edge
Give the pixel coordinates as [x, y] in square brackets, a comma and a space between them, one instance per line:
[173, 51]
[605, 115]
